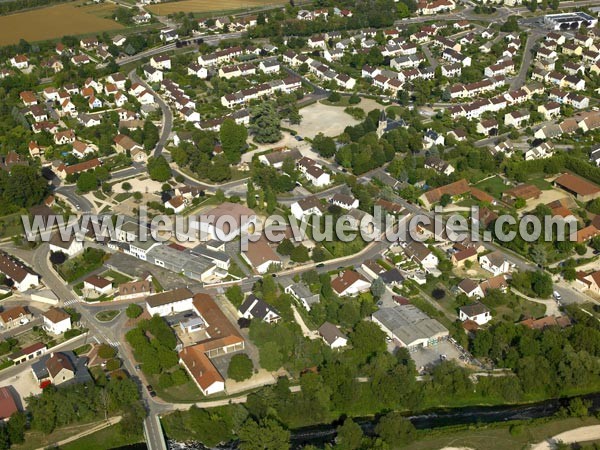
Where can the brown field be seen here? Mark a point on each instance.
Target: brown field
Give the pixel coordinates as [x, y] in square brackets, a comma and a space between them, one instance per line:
[56, 21]
[208, 6]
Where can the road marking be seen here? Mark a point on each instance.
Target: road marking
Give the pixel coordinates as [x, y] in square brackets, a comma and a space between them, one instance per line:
[72, 301]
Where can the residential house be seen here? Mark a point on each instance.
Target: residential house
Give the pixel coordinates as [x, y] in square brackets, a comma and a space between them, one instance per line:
[261, 256]
[332, 335]
[255, 308]
[100, 285]
[302, 293]
[56, 321]
[15, 317]
[495, 262]
[169, 302]
[476, 312]
[21, 276]
[350, 283]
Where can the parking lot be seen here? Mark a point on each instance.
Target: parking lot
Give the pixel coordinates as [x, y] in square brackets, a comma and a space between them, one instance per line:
[427, 357]
[318, 118]
[135, 268]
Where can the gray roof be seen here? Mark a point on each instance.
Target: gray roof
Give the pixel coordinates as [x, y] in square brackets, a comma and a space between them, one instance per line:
[330, 332]
[392, 276]
[257, 307]
[302, 291]
[79, 365]
[164, 298]
[208, 253]
[409, 324]
[474, 309]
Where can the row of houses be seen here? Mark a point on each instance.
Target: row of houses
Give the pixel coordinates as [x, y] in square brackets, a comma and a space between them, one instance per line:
[287, 85]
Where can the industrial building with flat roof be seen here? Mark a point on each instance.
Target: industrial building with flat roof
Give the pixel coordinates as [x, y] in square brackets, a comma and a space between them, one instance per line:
[409, 325]
[570, 21]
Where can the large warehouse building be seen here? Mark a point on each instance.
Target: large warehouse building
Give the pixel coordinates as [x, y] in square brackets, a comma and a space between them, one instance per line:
[409, 325]
[570, 21]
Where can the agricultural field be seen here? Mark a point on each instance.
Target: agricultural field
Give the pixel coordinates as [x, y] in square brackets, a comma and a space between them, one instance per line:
[201, 6]
[56, 21]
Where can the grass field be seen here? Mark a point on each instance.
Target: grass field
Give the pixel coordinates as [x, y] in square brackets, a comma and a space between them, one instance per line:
[497, 437]
[56, 21]
[201, 6]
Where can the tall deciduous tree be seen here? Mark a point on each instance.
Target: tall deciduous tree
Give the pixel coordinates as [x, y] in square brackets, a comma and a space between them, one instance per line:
[233, 140]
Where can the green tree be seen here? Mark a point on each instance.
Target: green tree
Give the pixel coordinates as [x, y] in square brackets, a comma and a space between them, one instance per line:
[265, 123]
[17, 425]
[396, 430]
[271, 358]
[105, 351]
[250, 195]
[324, 145]
[240, 367]
[299, 254]
[133, 311]
[285, 247]
[87, 182]
[158, 168]
[349, 436]
[235, 295]
[267, 434]
[233, 140]
[378, 288]
[126, 186]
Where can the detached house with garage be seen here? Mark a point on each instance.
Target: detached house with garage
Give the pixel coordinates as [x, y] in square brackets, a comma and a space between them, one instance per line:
[477, 312]
[302, 293]
[495, 263]
[255, 308]
[350, 283]
[332, 335]
[56, 321]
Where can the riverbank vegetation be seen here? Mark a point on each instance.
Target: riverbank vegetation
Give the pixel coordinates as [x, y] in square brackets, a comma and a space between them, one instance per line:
[365, 380]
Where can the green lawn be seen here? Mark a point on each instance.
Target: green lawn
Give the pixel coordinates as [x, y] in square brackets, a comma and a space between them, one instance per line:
[122, 196]
[109, 437]
[116, 277]
[83, 349]
[184, 393]
[107, 316]
[497, 436]
[493, 186]
[538, 180]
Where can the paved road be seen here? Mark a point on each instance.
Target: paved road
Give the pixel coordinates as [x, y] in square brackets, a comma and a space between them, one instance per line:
[167, 115]
[533, 37]
[70, 193]
[210, 40]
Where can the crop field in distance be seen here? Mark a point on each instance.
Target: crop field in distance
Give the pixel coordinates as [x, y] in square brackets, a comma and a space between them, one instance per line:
[56, 21]
[201, 6]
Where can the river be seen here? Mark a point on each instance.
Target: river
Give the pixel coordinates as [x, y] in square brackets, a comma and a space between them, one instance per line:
[435, 418]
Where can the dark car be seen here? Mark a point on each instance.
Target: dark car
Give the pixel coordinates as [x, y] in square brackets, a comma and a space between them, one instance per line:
[321, 265]
[298, 138]
[149, 388]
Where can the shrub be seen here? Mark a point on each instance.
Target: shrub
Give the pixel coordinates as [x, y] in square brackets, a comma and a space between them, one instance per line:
[334, 97]
[106, 351]
[133, 311]
[179, 377]
[240, 367]
[165, 381]
[72, 333]
[438, 293]
[113, 364]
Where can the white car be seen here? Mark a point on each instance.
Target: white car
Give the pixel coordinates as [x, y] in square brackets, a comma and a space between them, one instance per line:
[557, 296]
